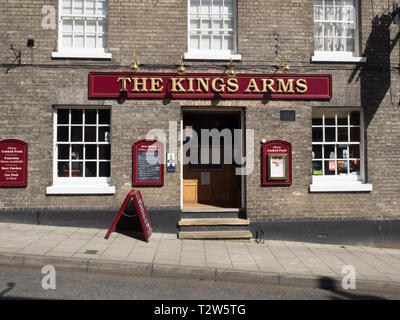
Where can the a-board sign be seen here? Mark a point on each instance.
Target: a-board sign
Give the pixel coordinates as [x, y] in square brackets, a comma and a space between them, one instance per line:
[276, 163]
[148, 163]
[132, 216]
[13, 163]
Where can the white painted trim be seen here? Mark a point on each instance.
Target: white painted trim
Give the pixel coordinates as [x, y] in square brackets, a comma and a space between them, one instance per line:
[344, 187]
[81, 54]
[211, 55]
[80, 188]
[181, 158]
[338, 58]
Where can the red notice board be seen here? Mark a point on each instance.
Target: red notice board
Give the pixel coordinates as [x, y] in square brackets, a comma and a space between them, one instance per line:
[137, 212]
[148, 163]
[276, 163]
[13, 163]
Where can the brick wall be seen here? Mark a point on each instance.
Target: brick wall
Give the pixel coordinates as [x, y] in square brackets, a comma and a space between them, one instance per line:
[156, 31]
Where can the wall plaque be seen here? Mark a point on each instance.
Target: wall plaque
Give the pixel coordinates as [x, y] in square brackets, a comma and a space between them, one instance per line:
[13, 163]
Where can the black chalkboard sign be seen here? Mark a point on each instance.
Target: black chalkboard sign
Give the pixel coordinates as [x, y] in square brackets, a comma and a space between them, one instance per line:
[148, 170]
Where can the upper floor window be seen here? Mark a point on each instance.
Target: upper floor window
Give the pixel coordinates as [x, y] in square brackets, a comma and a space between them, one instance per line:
[336, 30]
[83, 29]
[212, 29]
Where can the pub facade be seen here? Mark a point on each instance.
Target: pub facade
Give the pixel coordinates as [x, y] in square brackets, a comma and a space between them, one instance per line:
[234, 119]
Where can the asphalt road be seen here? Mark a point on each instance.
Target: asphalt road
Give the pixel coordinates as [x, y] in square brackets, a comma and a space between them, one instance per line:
[26, 283]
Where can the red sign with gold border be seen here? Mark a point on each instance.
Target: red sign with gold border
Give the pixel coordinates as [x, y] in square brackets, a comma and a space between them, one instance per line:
[13, 163]
[276, 163]
[208, 86]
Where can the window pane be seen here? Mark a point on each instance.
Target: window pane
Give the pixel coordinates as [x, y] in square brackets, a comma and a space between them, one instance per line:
[317, 151]
[76, 133]
[102, 7]
[77, 169]
[342, 167]
[342, 118]
[78, 41]
[90, 134]
[104, 134]
[90, 7]
[342, 151]
[343, 134]
[101, 41]
[329, 119]
[91, 152]
[67, 25]
[355, 118]
[317, 118]
[330, 134]
[317, 134]
[67, 40]
[355, 134]
[102, 26]
[63, 169]
[330, 167]
[63, 151]
[79, 25]
[194, 42]
[90, 116]
[217, 42]
[317, 168]
[78, 6]
[90, 41]
[62, 133]
[67, 6]
[90, 26]
[76, 116]
[63, 116]
[228, 43]
[104, 169]
[77, 151]
[90, 169]
[329, 151]
[104, 116]
[105, 152]
[354, 151]
[355, 167]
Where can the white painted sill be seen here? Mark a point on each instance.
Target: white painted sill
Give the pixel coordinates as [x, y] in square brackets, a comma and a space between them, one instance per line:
[338, 59]
[81, 55]
[211, 56]
[80, 188]
[342, 187]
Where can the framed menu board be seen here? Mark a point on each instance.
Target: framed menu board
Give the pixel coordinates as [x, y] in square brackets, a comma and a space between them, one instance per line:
[148, 163]
[276, 163]
[13, 163]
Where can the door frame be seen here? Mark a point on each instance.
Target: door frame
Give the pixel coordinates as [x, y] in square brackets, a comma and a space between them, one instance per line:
[241, 114]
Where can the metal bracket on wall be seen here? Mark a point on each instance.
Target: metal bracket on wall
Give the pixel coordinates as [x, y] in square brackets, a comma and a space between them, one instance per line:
[17, 59]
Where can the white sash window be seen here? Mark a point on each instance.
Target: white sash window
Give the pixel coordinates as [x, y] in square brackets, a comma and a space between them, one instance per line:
[336, 30]
[83, 29]
[212, 30]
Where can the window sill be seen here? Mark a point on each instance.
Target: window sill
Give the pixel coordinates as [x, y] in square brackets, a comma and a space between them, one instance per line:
[213, 55]
[338, 59]
[80, 54]
[80, 188]
[342, 187]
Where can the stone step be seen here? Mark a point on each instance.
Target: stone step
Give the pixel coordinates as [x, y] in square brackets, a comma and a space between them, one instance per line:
[213, 222]
[221, 213]
[215, 235]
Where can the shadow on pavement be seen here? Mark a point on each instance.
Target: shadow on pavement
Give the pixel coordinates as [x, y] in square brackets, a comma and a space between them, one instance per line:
[327, 283]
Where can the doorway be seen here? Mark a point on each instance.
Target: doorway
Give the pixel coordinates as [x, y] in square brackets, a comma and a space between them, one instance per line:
[209, 180]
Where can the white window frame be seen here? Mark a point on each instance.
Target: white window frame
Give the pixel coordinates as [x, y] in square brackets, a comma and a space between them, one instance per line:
[77, 185]
[341, 56]
[213, 54]
[345, 183]
[79, 53]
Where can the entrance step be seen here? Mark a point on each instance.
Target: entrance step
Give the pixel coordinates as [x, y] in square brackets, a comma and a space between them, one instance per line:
[233, 234]
[220, 213]
[214, 222]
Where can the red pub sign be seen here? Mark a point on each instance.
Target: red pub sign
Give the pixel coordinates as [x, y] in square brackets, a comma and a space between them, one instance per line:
[13, 163]
[206, 86]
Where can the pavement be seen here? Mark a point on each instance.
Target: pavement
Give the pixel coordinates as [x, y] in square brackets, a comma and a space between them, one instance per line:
[271, 262]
